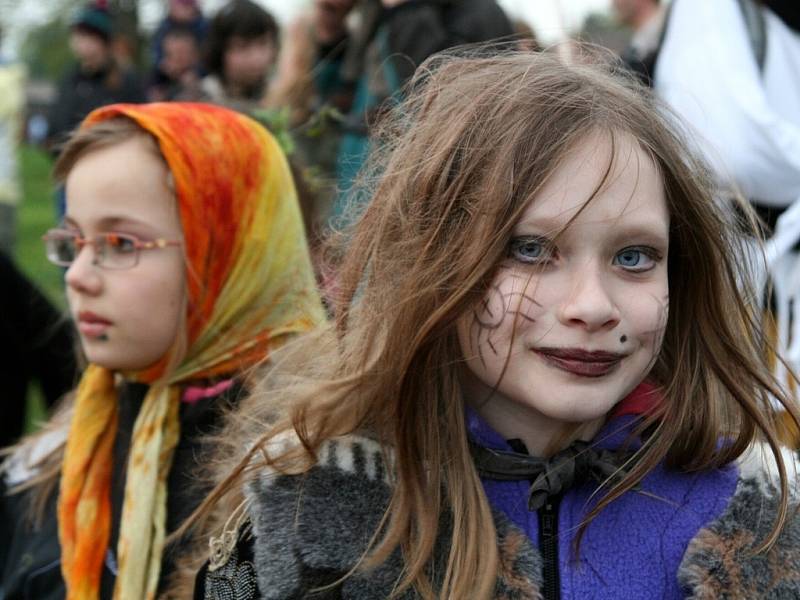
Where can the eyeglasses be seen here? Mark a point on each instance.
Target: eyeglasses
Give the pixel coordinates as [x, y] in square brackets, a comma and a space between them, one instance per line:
[111, 250]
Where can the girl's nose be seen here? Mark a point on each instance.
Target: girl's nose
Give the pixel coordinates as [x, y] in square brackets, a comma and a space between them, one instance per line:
[589, 304]
[83, 275]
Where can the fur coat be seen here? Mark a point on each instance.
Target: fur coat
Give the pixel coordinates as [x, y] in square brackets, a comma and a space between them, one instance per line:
[308, 531]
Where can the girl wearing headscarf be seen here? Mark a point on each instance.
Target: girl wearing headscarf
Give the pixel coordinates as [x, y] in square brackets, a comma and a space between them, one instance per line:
[186, 267]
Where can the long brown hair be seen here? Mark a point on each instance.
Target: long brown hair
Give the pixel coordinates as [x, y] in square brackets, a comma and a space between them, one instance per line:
[455, 166]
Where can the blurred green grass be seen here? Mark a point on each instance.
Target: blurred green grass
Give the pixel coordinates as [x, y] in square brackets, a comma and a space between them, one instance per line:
[36, 214]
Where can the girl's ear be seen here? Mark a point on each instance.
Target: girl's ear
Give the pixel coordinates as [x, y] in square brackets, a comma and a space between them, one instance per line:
[170, 182]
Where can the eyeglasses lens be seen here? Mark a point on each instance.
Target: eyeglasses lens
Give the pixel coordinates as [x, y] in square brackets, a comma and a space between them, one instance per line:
[111, 250]
[61, 250]
[117, 251]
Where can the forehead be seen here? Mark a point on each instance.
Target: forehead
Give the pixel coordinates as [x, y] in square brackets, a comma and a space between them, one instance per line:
[604, 181]
[180, 40]
[127, 180]
[237, 41]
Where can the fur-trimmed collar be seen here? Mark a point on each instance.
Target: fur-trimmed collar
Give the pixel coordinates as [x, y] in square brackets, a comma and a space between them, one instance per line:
[719, 562]
[311, 529]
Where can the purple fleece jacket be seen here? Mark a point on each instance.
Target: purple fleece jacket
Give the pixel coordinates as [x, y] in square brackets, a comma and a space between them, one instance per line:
[633, 548]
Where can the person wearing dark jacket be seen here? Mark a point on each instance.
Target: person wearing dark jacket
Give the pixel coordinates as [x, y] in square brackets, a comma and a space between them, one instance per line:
[182, 15]
[31, 556]
[36, 344]
[96, 80]
[357, 70]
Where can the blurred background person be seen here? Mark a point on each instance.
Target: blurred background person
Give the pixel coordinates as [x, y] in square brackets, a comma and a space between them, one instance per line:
[12, 106]
[347, 57]
[96, 79]
[646, 19]
[181, 14]
[241, 51]
[730, 69]
[179, 73]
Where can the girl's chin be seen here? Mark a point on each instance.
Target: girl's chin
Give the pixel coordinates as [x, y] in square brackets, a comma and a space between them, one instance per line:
[114, 362]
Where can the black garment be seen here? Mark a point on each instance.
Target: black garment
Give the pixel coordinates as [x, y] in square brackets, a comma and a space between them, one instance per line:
[30, 559]
[80, 93]
[549, 477]
[641, 62]
[36, 344]
[416, 30]
[362, 74]
[235, 579]
[403, 37]
[787, 10]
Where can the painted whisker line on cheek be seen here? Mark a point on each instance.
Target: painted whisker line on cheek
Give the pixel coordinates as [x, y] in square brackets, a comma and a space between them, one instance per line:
[486, 324]
[478, 329]
[517, 276]
[509, 295]
[485, 321]
[523, 315]
[481, 326]
[485, 303]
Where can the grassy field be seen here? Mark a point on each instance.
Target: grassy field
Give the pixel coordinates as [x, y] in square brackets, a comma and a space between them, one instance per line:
[36, 214]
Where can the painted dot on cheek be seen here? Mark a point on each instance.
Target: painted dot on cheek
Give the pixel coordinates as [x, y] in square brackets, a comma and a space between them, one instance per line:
[623, 339]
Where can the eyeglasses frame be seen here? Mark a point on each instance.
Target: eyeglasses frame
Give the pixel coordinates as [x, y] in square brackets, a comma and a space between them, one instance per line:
[81, 242]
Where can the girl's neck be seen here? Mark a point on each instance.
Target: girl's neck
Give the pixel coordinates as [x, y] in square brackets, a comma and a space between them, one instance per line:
[541, 435]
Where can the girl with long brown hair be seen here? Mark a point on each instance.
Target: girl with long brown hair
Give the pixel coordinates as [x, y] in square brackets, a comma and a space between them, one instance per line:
[545, 375]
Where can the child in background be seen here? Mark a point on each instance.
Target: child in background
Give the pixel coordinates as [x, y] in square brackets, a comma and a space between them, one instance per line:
[544, 378]
[179, 73]
[186, 267]
[241, 50]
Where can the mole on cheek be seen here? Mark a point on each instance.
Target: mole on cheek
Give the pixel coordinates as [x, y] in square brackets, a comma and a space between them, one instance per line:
[623, 339]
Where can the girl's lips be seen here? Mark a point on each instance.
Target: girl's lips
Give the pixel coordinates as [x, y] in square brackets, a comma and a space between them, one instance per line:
[92, 330]
[91, 325]
[581, 363]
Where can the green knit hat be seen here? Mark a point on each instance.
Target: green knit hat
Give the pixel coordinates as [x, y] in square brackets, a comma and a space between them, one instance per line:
[95, 19]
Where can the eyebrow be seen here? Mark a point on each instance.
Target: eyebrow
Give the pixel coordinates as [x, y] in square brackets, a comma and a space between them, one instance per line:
[634, 228]
[639, 230]
[109, 222]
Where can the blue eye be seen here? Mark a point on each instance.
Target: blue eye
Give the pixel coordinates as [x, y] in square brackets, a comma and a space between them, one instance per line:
[529, 249]
[635, 259]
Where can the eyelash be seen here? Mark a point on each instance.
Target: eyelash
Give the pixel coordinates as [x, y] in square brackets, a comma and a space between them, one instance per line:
[518, 242]
[549, 250]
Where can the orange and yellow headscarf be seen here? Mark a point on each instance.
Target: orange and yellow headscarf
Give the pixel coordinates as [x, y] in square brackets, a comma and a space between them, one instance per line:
[250, 285]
